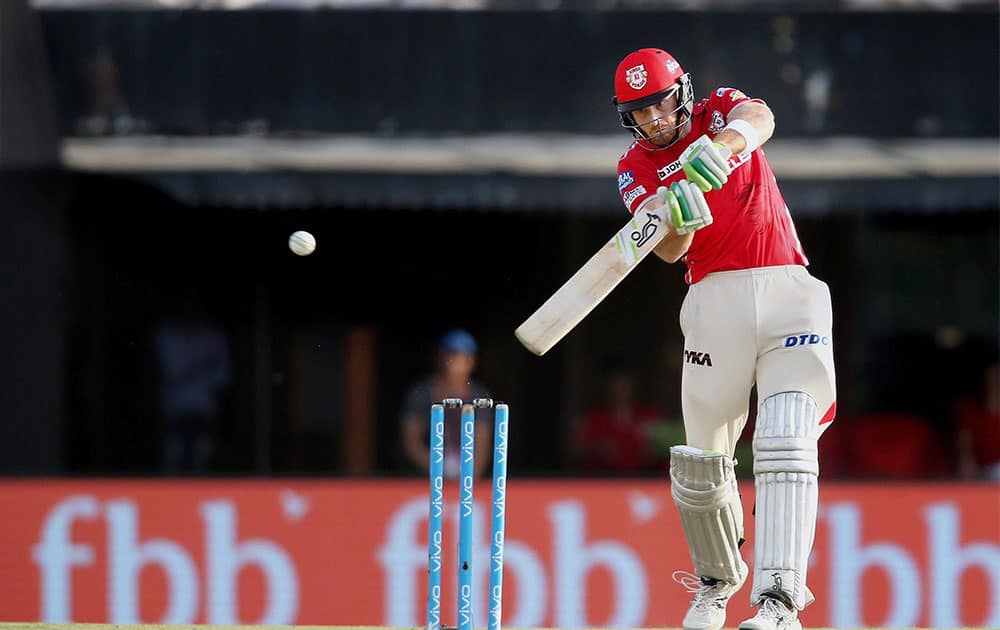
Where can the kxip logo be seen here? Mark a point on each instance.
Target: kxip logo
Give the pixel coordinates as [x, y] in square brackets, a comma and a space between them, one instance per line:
[718, 122]
[636, 76]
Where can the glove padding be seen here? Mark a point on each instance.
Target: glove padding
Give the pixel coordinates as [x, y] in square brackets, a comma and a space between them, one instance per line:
[706, 163]
[688, 210]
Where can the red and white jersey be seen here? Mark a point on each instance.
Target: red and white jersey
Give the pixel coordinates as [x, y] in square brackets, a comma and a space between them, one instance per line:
[751, 224]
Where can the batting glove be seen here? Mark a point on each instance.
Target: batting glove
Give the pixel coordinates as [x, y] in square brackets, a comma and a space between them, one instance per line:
[706, 163]
[688, 209]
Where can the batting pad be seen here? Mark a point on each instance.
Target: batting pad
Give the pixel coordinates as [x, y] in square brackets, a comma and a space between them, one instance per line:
[785, 470]
[703, 485]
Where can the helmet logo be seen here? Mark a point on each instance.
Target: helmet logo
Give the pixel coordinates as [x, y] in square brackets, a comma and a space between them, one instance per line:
[672, 65]
[636, 76]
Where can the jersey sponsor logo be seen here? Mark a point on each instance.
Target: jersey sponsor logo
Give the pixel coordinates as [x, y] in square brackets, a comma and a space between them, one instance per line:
[738, 159]
[718, 122]
[698, 358]
[625, 180]
[668, 170]
[808, 339]
[633, 194]
[636, 76]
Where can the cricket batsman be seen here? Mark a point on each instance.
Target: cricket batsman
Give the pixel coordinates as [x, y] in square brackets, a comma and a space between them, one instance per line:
[753, 314]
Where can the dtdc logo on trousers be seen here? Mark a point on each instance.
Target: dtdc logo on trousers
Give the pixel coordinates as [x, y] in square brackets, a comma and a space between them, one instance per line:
[808, 339]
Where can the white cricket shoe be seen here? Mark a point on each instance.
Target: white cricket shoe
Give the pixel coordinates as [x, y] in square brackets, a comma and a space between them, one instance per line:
[773, 615]
[708, 608]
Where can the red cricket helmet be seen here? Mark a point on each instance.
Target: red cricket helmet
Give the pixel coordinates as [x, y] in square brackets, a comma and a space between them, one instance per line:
[646, 77]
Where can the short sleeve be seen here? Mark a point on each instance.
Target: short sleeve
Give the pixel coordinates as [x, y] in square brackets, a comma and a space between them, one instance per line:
[637, 181]
[724, 99]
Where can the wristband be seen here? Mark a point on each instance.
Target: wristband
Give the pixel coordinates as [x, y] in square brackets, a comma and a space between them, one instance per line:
[746, 130]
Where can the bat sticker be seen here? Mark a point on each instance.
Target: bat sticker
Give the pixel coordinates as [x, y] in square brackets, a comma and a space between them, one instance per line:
[642, 236]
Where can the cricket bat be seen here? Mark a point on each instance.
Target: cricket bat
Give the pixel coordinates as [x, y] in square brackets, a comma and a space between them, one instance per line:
[593, 281]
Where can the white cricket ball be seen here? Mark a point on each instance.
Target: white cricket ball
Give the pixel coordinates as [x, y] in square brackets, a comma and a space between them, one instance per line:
[302, 243]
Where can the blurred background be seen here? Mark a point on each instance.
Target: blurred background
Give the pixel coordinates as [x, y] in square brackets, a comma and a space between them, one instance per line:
[455, 160]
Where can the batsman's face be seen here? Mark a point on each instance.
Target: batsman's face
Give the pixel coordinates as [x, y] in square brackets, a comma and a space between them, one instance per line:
[660, 122]
[458, 364]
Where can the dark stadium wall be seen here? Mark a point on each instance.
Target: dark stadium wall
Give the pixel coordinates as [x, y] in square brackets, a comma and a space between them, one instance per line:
[36, 292]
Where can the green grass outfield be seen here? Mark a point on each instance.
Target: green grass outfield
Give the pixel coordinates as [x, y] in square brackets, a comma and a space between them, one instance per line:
[113, 626]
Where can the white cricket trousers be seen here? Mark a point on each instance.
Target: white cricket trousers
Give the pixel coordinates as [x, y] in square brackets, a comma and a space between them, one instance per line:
[771, 326]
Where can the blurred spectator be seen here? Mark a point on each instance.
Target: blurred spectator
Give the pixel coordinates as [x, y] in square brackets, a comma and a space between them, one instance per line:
[622, 435]
[892, 445]
[108, 113]
[194, 372]
[977, 420]
[899, 433]
[455, 361]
